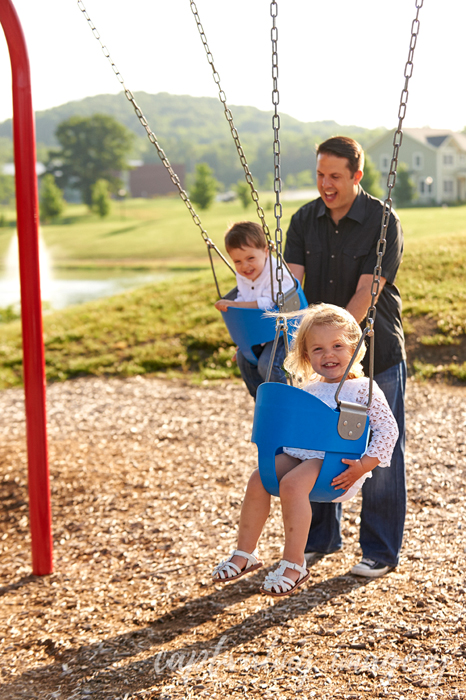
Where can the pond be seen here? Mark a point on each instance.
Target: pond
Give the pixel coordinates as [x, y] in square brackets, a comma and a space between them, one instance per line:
[66, 287]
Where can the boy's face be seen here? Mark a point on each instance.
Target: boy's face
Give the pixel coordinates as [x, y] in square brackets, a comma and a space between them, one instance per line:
[248, 261]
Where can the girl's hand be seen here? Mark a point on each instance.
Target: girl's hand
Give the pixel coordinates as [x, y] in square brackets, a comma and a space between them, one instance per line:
[354, 472]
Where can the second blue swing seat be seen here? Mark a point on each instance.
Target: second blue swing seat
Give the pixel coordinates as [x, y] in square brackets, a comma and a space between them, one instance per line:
[286, 416]
[248, 327]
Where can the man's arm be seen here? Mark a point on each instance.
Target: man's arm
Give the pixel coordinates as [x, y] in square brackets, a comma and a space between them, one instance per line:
[297, 271]
[361, 299]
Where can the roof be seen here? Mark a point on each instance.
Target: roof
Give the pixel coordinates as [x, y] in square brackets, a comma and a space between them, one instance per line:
[436, 137]
[432, 138]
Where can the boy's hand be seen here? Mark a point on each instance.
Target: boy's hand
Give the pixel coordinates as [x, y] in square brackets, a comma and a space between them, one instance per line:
[354, 472]
[223, 304]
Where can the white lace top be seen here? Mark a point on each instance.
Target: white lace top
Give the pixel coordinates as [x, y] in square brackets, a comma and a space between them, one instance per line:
[381, 420]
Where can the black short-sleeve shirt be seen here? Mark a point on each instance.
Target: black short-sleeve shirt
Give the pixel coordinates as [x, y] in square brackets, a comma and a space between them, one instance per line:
[334, 257]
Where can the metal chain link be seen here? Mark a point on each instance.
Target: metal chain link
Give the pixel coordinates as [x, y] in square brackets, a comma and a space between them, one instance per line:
[229, 118]
[277, 183]
[153, 139]
[391, 180]
[387, 210]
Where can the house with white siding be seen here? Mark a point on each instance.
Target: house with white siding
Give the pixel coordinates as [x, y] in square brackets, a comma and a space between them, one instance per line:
[436, 159]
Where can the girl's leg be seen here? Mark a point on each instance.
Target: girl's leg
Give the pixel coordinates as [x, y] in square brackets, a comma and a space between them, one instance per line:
[256, 508]
[295, 487]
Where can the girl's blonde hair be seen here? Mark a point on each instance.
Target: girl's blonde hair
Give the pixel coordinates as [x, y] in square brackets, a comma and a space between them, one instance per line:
[298, 363]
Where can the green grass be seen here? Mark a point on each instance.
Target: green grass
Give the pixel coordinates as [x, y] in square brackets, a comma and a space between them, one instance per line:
[173, 329]
[151, 230]
[170, 329]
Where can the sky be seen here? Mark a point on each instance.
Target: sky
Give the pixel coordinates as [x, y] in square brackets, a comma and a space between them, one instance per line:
[340, 60]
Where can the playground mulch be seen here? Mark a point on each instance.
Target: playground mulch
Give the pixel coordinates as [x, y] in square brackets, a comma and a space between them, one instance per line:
[147, 478]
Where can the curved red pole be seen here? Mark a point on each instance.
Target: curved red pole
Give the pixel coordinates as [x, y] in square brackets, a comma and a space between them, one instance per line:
[40, 519]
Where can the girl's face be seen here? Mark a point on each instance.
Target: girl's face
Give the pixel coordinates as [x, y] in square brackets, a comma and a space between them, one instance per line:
[328, 352]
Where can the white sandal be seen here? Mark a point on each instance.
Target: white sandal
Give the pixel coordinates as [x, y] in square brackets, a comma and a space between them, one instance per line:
[229, 571]
[278, 585]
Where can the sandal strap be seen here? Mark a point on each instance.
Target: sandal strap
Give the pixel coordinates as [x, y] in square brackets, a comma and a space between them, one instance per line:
[251, 558]
[291, 565]
[227, 569]
[277, 581]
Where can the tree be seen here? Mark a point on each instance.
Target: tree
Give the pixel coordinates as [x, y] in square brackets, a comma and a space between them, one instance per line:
[371, 178]
[244, 193]
[92, 148]
[204, 187]
[101, 198]
[51, 198]
[304, 179]
[7, 189]
[405, 188]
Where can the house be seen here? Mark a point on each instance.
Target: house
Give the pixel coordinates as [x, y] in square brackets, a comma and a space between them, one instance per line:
[436, 159]
[152, 179]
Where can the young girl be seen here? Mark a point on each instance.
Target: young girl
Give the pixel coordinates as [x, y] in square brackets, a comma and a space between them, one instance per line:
[322, 349]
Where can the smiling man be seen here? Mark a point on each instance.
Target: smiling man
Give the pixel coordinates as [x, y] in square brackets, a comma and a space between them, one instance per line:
[331, 245]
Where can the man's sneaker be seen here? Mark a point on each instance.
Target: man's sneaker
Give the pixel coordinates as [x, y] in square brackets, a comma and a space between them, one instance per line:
[313, 557]
[370, 568]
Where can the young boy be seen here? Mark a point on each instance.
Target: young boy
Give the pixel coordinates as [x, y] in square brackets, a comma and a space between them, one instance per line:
[247, 246]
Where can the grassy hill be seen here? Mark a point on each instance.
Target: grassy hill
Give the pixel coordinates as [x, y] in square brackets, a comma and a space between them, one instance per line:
[173, 329]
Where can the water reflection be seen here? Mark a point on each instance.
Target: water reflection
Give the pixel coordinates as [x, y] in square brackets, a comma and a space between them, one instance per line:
[68, 287]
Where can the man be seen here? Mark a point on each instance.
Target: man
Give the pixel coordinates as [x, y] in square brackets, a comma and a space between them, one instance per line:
[331, 245]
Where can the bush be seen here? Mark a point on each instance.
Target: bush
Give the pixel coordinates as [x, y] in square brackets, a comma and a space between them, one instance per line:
[52, 203]
[101, 198]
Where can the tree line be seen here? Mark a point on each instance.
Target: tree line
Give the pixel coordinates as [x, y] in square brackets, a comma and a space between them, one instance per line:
[93, 150]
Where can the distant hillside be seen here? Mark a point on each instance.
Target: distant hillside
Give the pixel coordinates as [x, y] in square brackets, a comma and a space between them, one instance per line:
[194, 129]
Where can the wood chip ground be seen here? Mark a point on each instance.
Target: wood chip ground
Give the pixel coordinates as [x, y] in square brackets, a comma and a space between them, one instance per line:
[147, 478]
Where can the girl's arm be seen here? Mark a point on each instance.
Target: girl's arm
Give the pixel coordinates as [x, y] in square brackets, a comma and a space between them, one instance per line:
[384, 435]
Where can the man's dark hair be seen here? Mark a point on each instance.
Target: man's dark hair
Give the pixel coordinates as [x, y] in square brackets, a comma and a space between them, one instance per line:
[243, 234]
[344, 147]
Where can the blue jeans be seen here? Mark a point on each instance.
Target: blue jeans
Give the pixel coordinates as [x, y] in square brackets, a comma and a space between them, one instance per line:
[383, 509]
[254, 375]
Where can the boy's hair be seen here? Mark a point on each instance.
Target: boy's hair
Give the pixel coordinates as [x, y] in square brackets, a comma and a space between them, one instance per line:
[344, 147]
[298, 363]
[244, 234]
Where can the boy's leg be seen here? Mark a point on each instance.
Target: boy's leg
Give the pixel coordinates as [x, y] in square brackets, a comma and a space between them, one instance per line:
[278, 373]
[249, 373]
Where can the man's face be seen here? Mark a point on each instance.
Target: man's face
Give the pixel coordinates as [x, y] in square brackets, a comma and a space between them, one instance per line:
[337, 186]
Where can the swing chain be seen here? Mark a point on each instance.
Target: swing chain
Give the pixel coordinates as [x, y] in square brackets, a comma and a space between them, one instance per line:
[391, 179]
[387, 210]
[233, 129]
[277, 185]
[153, 139]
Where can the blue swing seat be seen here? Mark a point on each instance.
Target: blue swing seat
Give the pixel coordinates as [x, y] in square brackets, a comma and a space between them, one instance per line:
[286, 416]
[248, 327]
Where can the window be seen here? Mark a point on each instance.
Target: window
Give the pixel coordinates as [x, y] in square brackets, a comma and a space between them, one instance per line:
[448, 186]
[448, 159]
[384, 163]
[422, 186]
[417, 161]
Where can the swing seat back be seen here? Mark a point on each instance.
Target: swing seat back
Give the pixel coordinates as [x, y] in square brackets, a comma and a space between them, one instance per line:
[248, 327]
[286, 416]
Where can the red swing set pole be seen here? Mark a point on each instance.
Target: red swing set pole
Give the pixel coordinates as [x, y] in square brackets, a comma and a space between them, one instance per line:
[31, 311]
